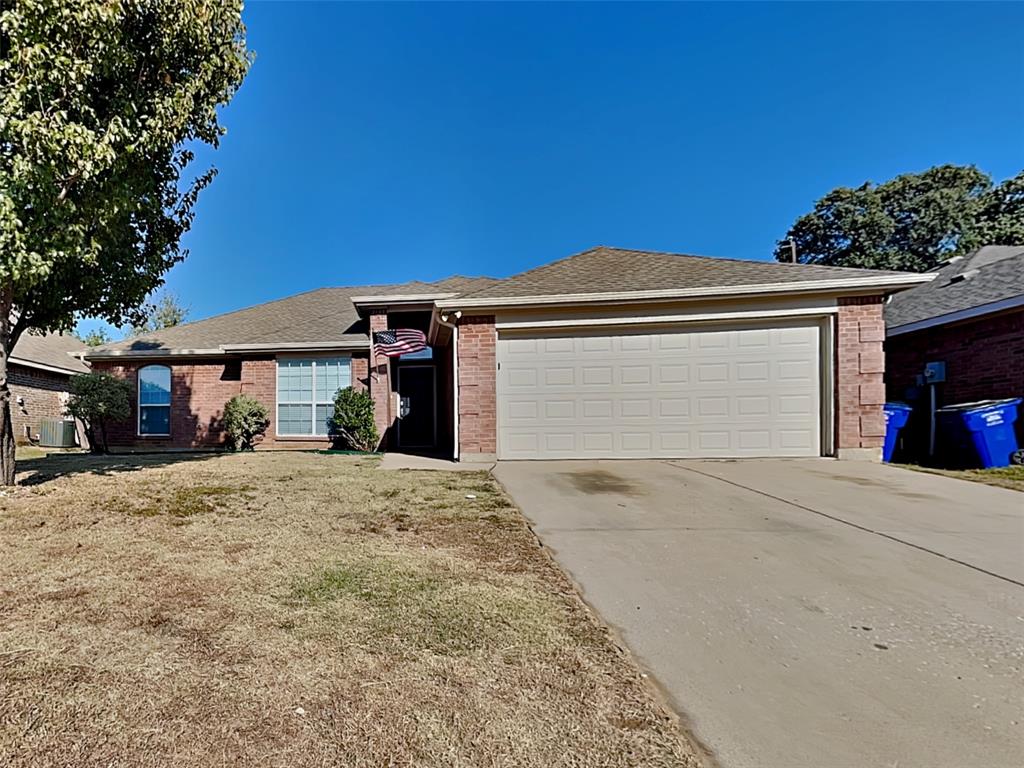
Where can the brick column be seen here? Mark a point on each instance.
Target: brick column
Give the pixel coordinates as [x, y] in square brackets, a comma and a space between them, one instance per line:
[860, 366]
[478, 431]
[380, 380]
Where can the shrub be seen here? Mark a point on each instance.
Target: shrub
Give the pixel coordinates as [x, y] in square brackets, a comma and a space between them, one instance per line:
[97, 399]
[353, 419]
[245, 422]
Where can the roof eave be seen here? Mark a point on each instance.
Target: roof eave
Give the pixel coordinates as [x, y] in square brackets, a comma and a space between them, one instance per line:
[960, 315]
[43, 366]
[120, 354]
[304, 346]
[232, 349]
[400, 299]
[874, 284]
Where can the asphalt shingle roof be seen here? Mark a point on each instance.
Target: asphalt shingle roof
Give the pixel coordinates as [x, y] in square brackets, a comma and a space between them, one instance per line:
[323, 315]
[990, 274]
[609, 270]
[327, 315]
[52, 349]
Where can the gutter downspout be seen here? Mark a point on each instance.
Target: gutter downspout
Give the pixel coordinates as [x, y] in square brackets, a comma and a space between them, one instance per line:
[443, 320]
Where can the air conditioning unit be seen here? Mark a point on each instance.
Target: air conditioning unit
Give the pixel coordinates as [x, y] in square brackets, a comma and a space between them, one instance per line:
[56, 433]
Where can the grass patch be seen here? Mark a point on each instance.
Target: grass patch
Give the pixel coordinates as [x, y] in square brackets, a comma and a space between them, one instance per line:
[1011, 477]
[297, 609]
[429, 604]
[186, 502]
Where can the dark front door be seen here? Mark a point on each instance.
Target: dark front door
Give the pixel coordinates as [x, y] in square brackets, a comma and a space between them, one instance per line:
[417, 427]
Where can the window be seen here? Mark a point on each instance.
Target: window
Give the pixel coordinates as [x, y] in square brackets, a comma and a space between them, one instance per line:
[305, 393]
[155, 400]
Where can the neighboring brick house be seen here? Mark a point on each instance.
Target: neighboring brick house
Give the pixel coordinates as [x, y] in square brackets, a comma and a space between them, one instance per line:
[970, 317]
[38, 373]
[607, 353]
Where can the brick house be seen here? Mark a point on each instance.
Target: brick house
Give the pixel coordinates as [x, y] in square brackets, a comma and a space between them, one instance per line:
[38, 373]
[607, 353]
[970, 317]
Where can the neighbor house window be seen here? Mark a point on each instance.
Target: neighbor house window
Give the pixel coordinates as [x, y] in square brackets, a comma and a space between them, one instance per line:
[155, 400]
[305, 393]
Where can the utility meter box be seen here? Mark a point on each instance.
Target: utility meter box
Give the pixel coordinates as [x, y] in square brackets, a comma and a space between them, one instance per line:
[934, 373]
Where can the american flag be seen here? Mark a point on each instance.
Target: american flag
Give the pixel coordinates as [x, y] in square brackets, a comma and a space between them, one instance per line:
[399, 341]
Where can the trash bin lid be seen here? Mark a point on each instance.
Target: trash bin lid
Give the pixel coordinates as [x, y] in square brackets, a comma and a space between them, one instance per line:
[898, 407]
[979, 405]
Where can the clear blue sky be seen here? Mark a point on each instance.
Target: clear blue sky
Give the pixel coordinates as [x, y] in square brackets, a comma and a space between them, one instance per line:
[377, 143]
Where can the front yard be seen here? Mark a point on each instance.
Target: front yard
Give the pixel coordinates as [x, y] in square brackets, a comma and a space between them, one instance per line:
[282, 609]
[1011, 477]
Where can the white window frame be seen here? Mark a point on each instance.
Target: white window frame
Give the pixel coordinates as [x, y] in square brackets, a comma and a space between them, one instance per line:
[139, 406]
[312, 403]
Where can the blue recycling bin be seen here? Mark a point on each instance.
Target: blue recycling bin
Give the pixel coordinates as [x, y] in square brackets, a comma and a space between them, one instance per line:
[979, 434]
[896, 415]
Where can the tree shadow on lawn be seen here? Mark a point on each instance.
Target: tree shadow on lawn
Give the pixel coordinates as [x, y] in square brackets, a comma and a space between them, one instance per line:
[43, 470]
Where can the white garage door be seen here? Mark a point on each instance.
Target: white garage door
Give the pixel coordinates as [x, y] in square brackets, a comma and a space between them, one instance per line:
[708, 392]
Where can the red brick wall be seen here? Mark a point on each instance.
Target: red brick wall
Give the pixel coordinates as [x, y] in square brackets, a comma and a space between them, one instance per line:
[860, 367]
[478, 430]
[984, 358]
[380, 381]
[41, 392]
[984, 361]
[199, 391]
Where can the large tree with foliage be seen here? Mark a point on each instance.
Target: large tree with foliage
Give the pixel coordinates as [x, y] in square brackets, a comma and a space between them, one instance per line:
[165, 313]
[100, 101]
[912, 222]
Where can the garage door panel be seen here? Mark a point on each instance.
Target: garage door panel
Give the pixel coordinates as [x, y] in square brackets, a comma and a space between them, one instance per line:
[718, 393]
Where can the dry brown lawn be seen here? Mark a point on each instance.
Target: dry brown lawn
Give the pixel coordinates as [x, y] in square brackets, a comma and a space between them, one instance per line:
[283, 609]
[1011, 477]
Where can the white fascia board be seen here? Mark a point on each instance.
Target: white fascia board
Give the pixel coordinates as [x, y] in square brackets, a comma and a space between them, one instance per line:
[695, 317]
[304, 346]
[399, 298]
[876, 283]
[952, 317]
[42, 366]
[116, 354]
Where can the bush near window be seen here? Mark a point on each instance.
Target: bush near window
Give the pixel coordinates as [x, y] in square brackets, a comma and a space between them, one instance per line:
[353, 419]
[96, 399]
[245, 422]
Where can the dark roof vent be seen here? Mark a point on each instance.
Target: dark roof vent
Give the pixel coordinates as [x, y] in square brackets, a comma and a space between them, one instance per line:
[963, 276]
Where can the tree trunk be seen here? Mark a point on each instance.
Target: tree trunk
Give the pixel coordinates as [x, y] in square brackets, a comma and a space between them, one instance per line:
[103, 437]
[6, 421]
[6, 428]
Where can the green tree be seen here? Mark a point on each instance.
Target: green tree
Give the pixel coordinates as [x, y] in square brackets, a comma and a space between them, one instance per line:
[95, 338]
[100, 103]
[98, 399]
[912, 222]
[166, 313]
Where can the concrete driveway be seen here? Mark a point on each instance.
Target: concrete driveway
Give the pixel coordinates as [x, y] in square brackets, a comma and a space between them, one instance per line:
[804, 613]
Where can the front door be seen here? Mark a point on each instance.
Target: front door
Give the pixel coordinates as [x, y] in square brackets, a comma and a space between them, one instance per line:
[417, 426]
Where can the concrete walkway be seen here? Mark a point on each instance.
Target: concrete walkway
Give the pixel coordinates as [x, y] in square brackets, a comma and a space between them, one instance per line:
[805, 613]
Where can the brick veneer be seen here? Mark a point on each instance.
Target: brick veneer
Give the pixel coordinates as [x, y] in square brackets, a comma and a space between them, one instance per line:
[860, 367]
[379, 380]
[984, 361]
[199, 391]
[984, 358]
[42, 393]
[478, 430]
